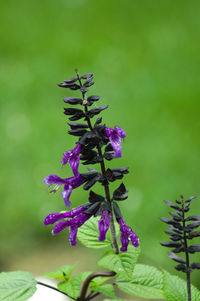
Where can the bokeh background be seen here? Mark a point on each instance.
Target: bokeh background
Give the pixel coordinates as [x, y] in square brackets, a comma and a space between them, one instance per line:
[145, 56]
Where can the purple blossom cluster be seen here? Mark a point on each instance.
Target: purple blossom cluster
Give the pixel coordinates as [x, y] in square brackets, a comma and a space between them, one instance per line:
[89, 148]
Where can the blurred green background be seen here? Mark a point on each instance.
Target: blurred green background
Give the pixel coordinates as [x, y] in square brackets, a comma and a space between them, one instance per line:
[145, 56]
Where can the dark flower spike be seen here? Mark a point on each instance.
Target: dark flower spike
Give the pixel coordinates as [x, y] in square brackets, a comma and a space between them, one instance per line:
[92, 137]
[181, 232]
[115, 135]
[69, 185]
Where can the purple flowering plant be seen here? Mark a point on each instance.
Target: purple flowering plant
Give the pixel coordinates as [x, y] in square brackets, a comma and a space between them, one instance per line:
[99, 223]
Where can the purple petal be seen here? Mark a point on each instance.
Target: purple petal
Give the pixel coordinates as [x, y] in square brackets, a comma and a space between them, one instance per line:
[53, 179]
[72, 156]
[77, 149]
[66, 194]
[116, 145]
[54, 217]
[74, 212]
[66, 156]
[72, 235]
[126, 235]
[76, 181]
[81, 219]
[74, 163]
[134, 239]
[108, 131]
[120, 132]
[59, 227]
[104, 224]
[124, 241]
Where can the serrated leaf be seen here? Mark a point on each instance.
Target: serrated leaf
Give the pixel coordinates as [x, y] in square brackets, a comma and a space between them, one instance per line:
[105, 289]
[16, 286]
[123, 263]
[146, 282]
[88, 235]
[175, 289]
[62, 273]
[73, 286]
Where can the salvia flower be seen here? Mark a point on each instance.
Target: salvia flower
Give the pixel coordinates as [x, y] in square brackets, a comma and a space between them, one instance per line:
[127, 235]
[72, 219]
[72, 156]
[69, 185]
[115, 135]
[104, 224]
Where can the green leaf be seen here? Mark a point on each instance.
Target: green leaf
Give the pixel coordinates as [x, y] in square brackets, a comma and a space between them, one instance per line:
[88, 235]
[72, 287]
[16, 286]
[62, 273]
[146, 282]
[175, 288]
[123, 263]
[99, 280]
[105, 289]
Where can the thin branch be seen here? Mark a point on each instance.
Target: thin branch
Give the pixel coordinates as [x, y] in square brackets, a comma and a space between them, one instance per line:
[54, 288]
[92, 296]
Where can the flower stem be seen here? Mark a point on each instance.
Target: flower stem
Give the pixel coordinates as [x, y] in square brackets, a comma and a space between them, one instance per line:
[186, 257]
[87, 283]
[114, 242]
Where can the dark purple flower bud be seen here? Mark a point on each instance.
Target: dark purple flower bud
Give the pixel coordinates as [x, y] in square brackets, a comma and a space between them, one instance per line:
[115, 135]
[127, 235]
[69, 185]
[72, 156]
[104, 224]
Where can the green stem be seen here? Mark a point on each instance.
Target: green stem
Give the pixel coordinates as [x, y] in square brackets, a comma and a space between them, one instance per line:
[87, 283]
